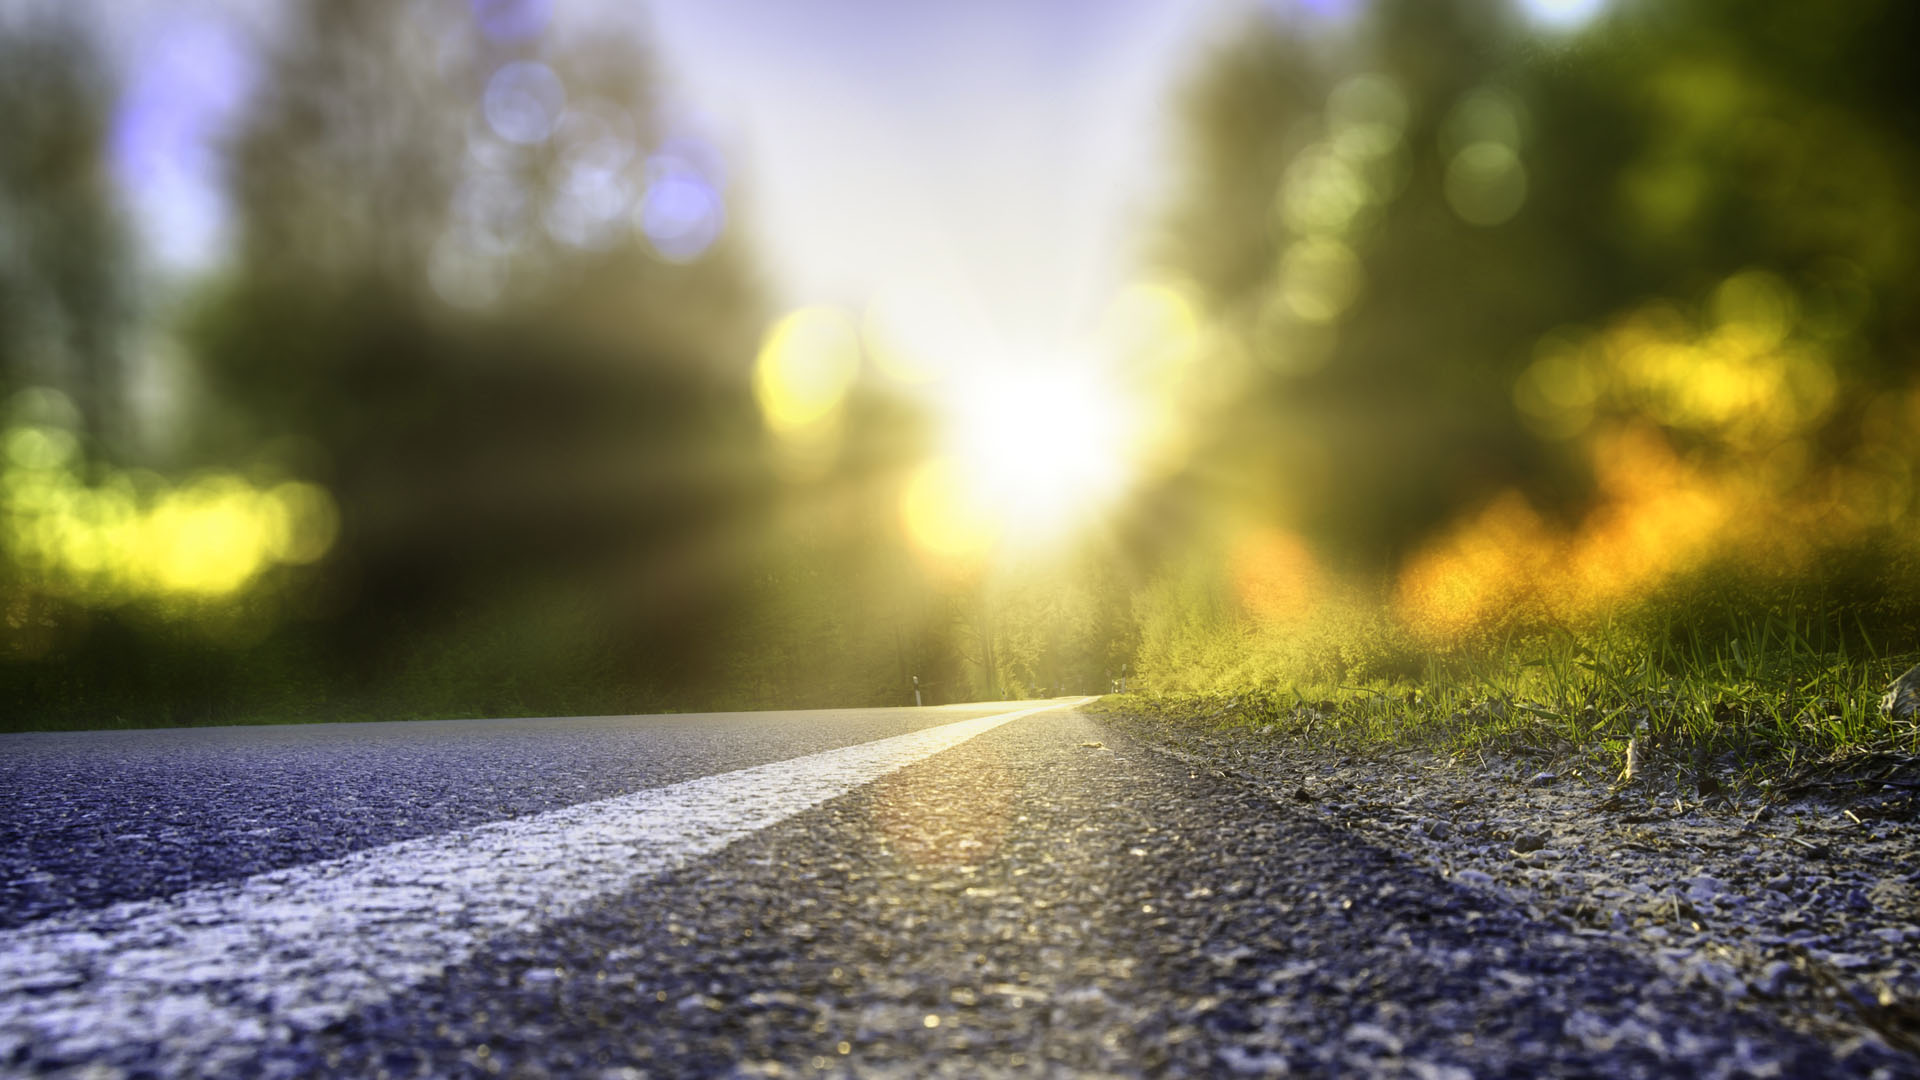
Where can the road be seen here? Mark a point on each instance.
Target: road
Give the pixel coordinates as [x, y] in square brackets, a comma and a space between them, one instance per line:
[999, 889]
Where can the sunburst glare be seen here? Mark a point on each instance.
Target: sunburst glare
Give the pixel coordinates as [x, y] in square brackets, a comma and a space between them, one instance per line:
[1040, 447]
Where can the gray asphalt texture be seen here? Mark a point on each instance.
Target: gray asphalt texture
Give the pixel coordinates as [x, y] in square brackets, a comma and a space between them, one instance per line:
[95, 817]
[1029, 904]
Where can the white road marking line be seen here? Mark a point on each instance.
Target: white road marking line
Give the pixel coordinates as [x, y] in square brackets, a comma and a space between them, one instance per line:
[205, 979]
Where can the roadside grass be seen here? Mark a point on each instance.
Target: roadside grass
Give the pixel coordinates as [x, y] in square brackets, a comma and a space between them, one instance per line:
[1752, 701]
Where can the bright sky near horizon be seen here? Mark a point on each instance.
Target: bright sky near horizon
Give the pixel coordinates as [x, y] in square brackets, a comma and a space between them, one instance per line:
[1003, 151]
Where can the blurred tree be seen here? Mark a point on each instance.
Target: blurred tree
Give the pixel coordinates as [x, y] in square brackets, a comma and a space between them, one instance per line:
[65, 288]
[840, 612]
[1408, 223]
[1064, 625]
[531, 410]
[1391, 216]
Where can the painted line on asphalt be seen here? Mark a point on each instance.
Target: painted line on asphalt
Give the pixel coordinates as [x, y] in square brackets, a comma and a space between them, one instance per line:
[205, 979]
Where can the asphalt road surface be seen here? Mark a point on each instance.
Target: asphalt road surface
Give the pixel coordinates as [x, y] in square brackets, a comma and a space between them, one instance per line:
[1001, 889]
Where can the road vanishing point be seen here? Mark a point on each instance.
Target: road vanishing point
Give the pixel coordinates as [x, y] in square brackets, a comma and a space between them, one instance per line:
[1000, 889]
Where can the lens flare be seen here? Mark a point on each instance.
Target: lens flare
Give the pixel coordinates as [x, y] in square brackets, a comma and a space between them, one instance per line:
[807, 364]
[128, 535]
[1153, 329]
[1275, 577]
[1701, 438]
[1563, 14]
[1486, 184]
[945, 517]
[681, 213]
[1659, 518]
[523, 102]
[1320, 279]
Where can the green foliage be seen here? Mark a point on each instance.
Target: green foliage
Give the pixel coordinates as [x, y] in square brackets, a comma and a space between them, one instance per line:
[65, 290]
[1063, 630]
[527, 483]
[1663, 150]
[528, 479]
[1431, 251]
[1759, 683]
[1440, 251]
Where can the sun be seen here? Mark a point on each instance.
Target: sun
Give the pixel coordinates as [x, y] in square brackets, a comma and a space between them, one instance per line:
[1030, 454]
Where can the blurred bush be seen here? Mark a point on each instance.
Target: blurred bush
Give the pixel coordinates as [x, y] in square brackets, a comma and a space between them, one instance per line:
[1532, 327]
[483, 344]
[65, 285]
[451, 307]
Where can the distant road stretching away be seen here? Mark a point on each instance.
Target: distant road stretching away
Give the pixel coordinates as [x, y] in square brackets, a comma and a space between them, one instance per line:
[1006, 888]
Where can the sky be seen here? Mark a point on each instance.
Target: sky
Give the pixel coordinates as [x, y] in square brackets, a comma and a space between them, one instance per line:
[1001, 150]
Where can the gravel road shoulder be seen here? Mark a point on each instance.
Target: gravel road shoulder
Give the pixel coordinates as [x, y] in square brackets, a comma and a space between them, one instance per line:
[1806, 911]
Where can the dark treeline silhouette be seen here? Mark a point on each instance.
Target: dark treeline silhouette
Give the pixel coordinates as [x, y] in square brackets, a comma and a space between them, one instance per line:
[65, 290]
